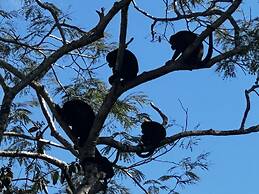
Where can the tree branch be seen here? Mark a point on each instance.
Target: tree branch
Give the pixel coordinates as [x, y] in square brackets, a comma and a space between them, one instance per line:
[23, 154]
[43, 141]
[169, 140]
[53, 12]
[51, 124]
[40, 89]
[93, 35]
[113, 95]
[3, 84]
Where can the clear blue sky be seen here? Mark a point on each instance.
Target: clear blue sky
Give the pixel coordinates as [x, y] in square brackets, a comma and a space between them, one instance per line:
[212, 102]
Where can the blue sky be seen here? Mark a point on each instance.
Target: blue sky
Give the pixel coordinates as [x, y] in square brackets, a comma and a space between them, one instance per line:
[212, 102]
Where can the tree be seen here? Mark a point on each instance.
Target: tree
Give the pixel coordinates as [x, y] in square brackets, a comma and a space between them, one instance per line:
[50, 60]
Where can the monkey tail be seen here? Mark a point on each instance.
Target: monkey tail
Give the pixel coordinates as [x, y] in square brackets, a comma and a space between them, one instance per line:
[146, 155]
[210, 51]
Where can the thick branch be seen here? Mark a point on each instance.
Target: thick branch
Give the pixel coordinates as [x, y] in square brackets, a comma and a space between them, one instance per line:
[170, 140]
[24, 154]
[113, 95]
[5, 109]
[90, 37]
[3, 84]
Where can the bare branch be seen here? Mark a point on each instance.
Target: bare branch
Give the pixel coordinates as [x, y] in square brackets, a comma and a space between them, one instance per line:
[54, 14]
[135, 181]
[43, 141]
[23, 154]
[246, 110]
[52, 126]
[100, 13]
[47, 158]
[248, 105]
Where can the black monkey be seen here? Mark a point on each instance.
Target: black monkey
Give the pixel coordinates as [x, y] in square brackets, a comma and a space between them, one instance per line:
[180, 42]
[153, 133]
[103, 164]
[80, 116]
[129, 66]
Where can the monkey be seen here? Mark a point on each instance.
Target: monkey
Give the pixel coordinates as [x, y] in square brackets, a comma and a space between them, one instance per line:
[182, 40]
[152, 134]
[129, 67]
[103, 164]
[80, 116]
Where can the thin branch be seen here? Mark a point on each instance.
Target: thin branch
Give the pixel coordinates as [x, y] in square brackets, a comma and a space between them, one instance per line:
[40, 89]
[43, 141]
[135, 181]
[23, 154]
[248, 104]
[54, 14]
[21, 44]
[208, 12]
[45, 157]
[246, 110]
[186, 115]
[51, 124]
[73, 27]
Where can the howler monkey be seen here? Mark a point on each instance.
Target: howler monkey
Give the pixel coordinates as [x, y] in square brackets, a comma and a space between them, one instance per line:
[80, 116]
[129, 67]
[182, 40]
[152, 134]
[103, 164]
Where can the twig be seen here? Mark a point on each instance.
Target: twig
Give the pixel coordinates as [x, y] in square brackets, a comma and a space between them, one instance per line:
[137, 182]
[54, 14]
[186, 115]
